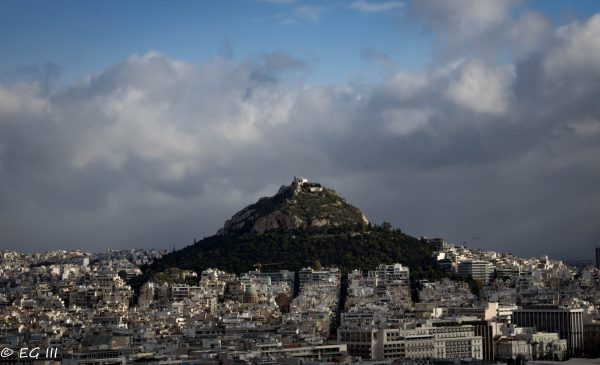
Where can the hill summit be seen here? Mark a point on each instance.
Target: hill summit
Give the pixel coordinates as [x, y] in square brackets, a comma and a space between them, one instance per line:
[302, 204]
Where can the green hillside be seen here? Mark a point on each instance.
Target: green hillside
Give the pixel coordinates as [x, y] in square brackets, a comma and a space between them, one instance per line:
[342, 247]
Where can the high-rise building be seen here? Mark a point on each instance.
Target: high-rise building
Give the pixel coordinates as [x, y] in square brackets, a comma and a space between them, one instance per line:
[568, 323]
[598, 257]
[476, 269]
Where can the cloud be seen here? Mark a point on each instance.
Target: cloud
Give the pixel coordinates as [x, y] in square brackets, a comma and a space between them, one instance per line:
[141, 132]
[279, 61]
[375, 7]
[309, 12]
[154, 151]
[529, 33]
[485, 29]
[577, 51]
[23, 99]
[404, 121]
[463, 17]
[481, 88]
[301, 13]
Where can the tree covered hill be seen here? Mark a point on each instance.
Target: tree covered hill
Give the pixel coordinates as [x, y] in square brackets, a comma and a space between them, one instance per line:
[342, 247]
[302, 223]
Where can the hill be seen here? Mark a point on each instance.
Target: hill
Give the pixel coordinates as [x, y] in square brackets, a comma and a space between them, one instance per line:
[302, 204]
[302, 223]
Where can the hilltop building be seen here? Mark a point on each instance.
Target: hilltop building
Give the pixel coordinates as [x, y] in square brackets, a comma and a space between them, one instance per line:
[301, 183]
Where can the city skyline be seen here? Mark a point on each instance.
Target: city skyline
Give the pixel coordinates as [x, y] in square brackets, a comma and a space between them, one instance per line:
[147, 124]
[115, 307]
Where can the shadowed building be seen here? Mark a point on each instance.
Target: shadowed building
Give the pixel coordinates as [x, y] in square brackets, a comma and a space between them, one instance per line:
[568, 323]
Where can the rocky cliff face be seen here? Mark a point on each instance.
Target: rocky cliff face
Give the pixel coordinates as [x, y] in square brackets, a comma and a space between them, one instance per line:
[299, 205]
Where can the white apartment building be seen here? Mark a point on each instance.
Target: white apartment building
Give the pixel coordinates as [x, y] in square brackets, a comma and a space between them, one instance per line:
[390, 273]
[476, 269]
[328, 276]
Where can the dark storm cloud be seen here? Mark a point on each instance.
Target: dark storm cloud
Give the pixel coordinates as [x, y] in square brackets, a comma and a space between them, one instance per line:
[155, 151]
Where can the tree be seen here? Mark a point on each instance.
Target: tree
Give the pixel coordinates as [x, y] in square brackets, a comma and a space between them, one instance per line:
[316, 265]
[475, 285]
[386, 226]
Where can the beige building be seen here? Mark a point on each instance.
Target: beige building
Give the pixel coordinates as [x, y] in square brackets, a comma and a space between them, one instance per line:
[511, 348]
[546, 345]
[449, 342]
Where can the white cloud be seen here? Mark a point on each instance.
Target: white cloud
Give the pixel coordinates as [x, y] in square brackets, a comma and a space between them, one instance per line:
[481, 88]
[406, 85]
[577, 50]
[301, 13]
[375, 7]
[309, 12]
[483, 29]
[22, 99]
[529, 33]
[463, 18]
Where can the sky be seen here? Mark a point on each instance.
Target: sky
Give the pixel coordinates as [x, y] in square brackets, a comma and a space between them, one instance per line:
[148, 123]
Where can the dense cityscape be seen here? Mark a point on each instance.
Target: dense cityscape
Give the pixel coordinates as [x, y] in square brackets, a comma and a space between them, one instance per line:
[300, 182]
[490, 307]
